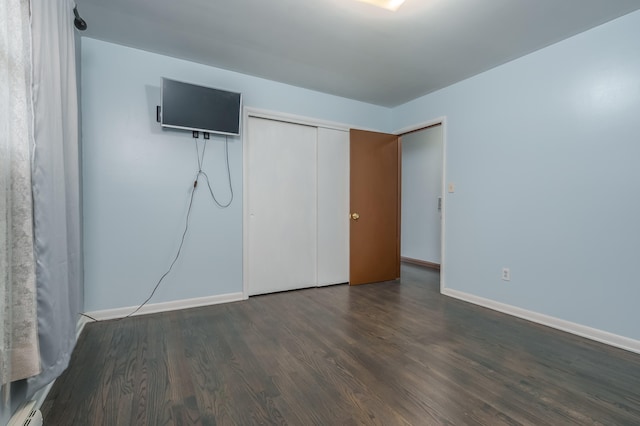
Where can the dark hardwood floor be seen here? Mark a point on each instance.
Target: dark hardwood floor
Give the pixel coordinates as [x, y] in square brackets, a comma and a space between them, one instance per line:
[382, 354]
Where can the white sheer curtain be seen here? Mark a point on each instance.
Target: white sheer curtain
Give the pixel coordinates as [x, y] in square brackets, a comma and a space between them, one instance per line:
[40, 209]
[56, 186]
[19, 354]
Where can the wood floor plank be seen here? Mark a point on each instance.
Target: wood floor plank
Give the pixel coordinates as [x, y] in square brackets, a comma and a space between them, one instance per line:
[395, 353]
[304, 351]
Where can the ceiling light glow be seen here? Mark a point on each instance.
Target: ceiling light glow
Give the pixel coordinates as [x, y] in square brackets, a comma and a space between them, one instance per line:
[392, 5]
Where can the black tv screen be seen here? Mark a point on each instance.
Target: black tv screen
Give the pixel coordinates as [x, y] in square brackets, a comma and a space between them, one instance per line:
[205, 109]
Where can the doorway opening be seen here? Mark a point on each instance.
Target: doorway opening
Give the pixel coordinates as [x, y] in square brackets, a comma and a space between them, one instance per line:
[407, 183]
[422, 195]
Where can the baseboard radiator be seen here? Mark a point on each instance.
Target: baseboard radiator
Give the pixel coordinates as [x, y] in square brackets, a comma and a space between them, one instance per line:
[26, 415]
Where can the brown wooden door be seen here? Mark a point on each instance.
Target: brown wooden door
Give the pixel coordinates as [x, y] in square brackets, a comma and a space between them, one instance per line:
[375, 199]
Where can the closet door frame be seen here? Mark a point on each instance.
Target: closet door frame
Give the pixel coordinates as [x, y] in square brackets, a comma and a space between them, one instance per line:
[276, 116]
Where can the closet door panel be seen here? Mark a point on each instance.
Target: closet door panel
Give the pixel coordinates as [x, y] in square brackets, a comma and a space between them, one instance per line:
[282, 234]
[333, 206]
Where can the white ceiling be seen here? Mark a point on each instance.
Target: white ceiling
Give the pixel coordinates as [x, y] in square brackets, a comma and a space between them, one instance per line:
[345, 47]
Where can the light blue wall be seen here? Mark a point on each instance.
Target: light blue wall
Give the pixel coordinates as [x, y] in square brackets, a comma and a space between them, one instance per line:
[137, 177]
[545, 155]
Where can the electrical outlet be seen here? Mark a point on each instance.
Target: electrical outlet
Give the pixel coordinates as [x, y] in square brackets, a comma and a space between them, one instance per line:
[506, 274]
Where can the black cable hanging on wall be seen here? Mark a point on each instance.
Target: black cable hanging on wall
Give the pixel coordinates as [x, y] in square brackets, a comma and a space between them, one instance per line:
[78, 21]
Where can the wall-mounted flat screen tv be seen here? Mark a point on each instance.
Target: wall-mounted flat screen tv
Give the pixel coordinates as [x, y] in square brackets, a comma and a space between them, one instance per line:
[204, 109]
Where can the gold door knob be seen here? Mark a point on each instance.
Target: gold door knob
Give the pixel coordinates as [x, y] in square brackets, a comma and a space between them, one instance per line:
[355, 216]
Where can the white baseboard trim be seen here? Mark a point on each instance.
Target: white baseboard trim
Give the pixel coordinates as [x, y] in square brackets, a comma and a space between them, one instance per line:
[601, 336]
[174, 305]
[82, 321]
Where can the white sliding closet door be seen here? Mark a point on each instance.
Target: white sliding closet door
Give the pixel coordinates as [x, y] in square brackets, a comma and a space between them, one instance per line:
[333, 206]
[282, 206]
